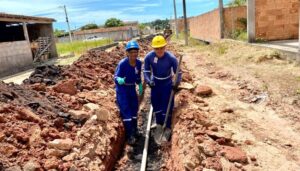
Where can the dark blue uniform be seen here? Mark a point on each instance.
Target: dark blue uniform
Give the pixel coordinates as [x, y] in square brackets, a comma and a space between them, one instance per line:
[161, 71]
[126, 94]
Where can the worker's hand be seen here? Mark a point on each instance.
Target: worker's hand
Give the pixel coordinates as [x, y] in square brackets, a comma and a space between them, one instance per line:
[151, 84]
[140, 89]
[120, 80]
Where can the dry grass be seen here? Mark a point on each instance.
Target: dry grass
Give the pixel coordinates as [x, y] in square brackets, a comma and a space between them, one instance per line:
[268, 65]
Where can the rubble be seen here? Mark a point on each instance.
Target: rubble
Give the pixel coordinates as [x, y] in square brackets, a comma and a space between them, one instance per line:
[197, 140]
[61, 144]
[234, 154]
[47, 74]
[203, 90]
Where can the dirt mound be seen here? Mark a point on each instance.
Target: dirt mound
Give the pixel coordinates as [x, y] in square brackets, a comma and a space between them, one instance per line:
[64, 118]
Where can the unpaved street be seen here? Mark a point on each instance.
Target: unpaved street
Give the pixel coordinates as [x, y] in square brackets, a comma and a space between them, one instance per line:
[261, 90]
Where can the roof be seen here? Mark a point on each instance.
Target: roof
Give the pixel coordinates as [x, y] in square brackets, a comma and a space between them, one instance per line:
[23, 18]
[103, 30]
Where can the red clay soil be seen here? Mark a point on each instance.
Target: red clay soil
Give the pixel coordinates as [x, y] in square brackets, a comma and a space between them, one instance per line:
[63, 118]
[196, 143]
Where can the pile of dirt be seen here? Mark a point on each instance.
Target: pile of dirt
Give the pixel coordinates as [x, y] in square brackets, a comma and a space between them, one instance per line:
[63, 118]
[196, 142]
[199, 142]
[47, 74]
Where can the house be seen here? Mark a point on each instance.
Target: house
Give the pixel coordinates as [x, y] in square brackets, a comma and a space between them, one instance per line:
[23, 40]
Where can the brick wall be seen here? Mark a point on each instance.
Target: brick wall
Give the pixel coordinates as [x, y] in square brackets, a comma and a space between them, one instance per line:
[14, 57]
[207, 26]
[232, 18]
[276, 19]
[180, 24]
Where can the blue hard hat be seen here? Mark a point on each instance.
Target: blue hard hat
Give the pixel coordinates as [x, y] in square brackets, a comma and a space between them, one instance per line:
[132, 45]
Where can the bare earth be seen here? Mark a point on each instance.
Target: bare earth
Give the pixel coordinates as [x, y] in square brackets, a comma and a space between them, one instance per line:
[263, 91]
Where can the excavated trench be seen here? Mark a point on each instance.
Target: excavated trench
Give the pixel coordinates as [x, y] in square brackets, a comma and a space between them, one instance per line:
[65, 118]
[132, 156]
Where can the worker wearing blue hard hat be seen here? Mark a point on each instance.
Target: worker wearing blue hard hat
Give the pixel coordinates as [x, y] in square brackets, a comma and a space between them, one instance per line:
[127, 75]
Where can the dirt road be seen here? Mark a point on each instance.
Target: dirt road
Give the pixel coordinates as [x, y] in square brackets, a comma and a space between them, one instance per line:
[256, 97]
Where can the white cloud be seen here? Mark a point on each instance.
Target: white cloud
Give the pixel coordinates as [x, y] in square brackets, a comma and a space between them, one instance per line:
[83, 11]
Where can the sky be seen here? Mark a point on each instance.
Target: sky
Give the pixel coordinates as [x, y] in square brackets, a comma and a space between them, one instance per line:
[82, 12]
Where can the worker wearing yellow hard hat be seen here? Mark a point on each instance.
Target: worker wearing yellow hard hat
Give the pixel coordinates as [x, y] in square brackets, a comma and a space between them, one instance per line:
[159, 68]
[158, 42]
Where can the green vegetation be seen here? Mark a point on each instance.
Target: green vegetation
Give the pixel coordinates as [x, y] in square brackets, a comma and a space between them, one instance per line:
[243, 22]
[89, 26]
[158, 24]
[222, 48]
[236, 3]
[239, 34]
[79, 47]
[58, 33]
[113, 22]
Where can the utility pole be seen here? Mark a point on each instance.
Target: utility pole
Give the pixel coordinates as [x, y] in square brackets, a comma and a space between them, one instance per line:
[221, 13]
[175, 14]
[185, 23]
[67, 20]
[251, 20]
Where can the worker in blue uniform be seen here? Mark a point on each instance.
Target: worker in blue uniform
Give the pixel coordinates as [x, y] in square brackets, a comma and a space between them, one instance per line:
[127, 75]
[159, 68]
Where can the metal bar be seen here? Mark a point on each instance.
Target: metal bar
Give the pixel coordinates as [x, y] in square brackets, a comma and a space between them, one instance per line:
[170, 99]
[145, 151]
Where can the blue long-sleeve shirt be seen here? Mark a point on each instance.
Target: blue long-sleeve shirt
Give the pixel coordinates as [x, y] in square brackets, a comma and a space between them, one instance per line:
[160, 70]
[131, 74]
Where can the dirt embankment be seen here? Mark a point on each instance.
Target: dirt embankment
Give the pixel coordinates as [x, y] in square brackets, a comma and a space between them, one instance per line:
[63, 118]
[255, 103]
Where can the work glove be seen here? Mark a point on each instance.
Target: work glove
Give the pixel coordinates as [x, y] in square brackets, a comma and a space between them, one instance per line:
[120, 80]
[151, 84]
[140, 89]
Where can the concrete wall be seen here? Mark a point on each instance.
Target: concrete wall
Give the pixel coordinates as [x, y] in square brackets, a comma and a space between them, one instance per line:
[14, 57]
[276, 19]
[207, 26]
[115, 36]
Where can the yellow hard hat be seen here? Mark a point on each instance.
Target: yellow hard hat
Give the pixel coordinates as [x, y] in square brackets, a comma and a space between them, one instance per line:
[158, 42]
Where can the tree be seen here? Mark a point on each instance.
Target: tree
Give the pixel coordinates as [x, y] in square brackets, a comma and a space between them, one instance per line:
[113, 22]
[89, 26]
[58, 33]
[142, 26]
[158, 24]
[236, 3]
